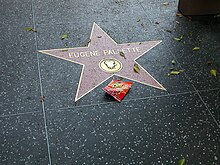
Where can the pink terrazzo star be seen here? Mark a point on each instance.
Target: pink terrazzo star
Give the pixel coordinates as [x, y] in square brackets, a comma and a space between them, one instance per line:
[103, 58]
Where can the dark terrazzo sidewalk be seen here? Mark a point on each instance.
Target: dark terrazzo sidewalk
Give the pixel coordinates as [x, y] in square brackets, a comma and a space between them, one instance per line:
[149, 127]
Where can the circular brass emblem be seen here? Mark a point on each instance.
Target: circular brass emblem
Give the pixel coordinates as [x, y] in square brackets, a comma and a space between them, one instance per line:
[110, 65]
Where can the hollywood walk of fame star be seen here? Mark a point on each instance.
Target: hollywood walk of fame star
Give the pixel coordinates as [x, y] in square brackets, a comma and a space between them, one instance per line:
[103, 58]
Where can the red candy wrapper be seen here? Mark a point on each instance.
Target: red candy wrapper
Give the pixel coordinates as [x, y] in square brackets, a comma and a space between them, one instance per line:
[118, 89]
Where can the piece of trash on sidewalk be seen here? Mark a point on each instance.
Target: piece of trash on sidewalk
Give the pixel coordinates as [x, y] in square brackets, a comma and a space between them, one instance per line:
[118, 89]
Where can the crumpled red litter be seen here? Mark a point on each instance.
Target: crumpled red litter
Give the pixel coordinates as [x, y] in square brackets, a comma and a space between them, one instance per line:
[118, 89]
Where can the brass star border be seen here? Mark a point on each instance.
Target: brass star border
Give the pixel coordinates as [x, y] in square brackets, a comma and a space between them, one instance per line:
[104, 58]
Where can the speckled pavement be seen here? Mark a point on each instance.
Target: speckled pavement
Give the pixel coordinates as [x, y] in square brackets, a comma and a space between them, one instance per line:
[41, 124]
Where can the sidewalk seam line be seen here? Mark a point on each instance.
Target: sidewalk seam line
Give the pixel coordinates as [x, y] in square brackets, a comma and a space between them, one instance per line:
[40, 83]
